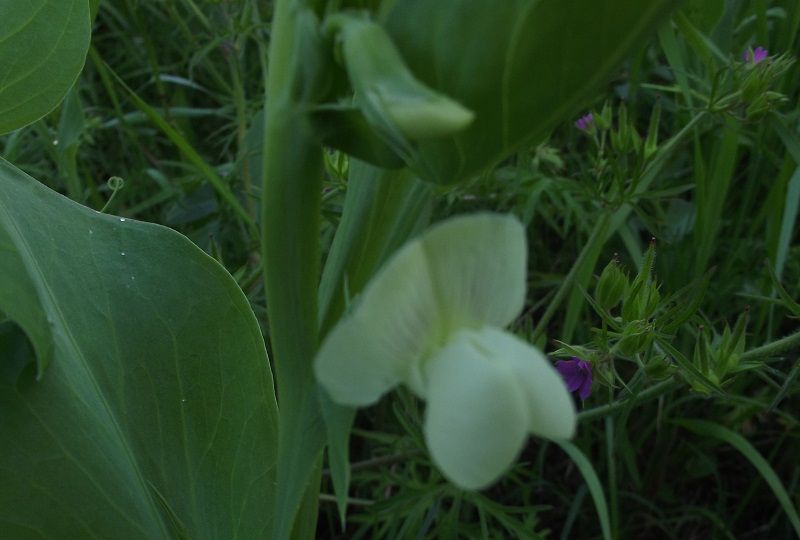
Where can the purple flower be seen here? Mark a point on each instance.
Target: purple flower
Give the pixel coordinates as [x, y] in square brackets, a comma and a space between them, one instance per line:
[577, 374]
[585, 122]
[755, 56]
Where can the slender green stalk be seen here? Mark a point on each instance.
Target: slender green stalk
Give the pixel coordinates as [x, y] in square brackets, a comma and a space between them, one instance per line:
[654, 391]
[792, 340]
[611, 463]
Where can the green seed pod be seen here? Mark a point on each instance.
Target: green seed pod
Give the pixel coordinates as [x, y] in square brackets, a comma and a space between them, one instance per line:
[612, 286]
[643, 298]
[650, 300]
[659, 367]
[621, 138]
[651, 143]
[636, 139]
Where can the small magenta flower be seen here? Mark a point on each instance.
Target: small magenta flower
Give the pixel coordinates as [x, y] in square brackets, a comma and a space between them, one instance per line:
[577, 374]
[755, 56]
[585, 122]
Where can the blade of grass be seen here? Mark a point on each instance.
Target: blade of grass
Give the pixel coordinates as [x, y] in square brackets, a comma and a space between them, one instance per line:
[574, 510]
[792, 200]
[671, 48]
[611, 463]
[593, 483]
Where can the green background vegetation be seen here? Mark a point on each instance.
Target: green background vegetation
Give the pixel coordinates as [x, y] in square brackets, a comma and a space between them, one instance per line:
[170, 101]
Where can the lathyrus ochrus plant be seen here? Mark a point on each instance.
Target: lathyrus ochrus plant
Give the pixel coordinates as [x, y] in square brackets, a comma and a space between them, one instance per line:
[157, 410]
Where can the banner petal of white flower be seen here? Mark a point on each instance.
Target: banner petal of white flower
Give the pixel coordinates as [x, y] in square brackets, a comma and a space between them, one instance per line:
[476, 419]
[380, 344]
[478, 264]
[464, 272]
[352, 368]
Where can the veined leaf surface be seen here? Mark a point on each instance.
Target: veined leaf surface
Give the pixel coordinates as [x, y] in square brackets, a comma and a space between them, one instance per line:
[522, 66]
[153, 415]
[43, 44]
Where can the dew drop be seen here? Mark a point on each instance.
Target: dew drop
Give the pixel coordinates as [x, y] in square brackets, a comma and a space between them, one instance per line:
[183, 400]
[122, 253]
[91, 231]
[133, 277]
[122, 219]
[55, 142]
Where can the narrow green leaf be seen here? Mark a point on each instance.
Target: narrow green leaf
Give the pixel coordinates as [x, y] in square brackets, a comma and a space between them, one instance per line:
[675, 58]
[788, 222]
[702, 45]
[711, 192]
[790, 303]
[694, 375]
[593, 482]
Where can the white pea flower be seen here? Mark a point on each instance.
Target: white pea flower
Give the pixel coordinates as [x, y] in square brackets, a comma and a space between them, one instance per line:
[432, 318]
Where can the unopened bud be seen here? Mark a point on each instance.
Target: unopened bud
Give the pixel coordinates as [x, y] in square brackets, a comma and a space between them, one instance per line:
[612, 286]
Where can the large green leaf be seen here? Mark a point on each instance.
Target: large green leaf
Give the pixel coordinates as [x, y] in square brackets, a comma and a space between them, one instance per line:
[522, 66]
[153, 413]
[43, 44]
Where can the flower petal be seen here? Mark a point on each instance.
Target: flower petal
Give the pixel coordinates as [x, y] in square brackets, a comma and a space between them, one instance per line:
[466, 271]
[585, 388]
[551, 409]
[354, 369]
[570, 371]
[382, 341]
[476, 420]
[478, 265]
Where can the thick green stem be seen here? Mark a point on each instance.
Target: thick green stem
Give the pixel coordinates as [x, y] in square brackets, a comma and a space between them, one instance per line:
[292, 187]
